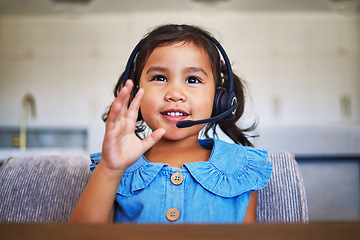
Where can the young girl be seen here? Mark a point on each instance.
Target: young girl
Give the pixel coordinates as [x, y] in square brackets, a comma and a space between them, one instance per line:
[171, 175]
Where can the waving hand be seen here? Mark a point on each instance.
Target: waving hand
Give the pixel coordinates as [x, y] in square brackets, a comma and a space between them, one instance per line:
[121, 146]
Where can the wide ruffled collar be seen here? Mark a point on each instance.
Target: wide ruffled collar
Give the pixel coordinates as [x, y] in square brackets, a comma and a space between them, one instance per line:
[230, 171]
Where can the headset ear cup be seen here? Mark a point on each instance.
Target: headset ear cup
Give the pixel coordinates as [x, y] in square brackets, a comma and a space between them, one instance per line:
[232, 100]
[217, 101]
[225, 101]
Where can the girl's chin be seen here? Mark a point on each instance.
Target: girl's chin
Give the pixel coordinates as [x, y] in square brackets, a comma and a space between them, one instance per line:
[180, 133]
[174, 135]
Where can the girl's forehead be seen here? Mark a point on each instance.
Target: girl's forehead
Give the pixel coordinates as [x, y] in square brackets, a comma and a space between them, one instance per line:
[179, 55]
[182, 44]
[186, 46]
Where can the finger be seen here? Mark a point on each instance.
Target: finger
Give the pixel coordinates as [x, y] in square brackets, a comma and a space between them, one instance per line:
[123, 96]
[118, 104]
[113, 113]
[134, 107]
[125, 92]
[153, 138]
[124, 106]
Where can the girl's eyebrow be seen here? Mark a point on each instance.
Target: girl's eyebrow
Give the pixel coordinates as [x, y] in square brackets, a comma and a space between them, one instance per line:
[156, 69]
[186, 70]
[195, 70]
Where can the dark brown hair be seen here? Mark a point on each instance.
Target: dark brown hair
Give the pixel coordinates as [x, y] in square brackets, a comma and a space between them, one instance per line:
[167, 35]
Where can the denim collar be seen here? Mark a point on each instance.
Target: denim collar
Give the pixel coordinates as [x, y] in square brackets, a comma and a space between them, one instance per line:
[230, 171]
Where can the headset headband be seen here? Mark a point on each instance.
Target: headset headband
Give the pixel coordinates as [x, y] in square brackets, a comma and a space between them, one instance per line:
[227, 64]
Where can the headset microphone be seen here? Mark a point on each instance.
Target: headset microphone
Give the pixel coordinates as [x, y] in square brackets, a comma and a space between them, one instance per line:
[189, 123]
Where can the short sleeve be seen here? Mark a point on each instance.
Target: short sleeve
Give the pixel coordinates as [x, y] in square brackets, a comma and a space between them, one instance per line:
[95, 159]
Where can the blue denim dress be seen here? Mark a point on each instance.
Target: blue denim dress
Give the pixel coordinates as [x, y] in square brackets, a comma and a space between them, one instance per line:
[213, 191]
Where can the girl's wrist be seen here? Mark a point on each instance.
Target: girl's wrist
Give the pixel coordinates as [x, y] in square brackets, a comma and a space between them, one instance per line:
[113, 172]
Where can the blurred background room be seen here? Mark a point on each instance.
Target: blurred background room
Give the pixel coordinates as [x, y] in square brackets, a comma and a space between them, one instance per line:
[60, 59]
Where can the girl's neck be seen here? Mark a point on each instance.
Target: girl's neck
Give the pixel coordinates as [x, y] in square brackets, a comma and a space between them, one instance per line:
[176, 153]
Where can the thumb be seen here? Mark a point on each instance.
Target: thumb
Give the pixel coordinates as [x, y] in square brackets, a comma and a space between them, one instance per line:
[153, 138]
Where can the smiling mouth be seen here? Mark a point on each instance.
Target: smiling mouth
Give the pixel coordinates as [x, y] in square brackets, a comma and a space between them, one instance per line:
[175, 113]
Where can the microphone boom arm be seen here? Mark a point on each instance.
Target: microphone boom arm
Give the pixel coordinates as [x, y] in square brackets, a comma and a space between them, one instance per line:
[189, 123]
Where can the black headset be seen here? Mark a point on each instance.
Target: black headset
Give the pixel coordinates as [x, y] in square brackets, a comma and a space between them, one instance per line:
[225, 101]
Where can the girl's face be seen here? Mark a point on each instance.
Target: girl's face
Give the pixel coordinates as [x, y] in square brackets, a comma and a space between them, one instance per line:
[179, 85]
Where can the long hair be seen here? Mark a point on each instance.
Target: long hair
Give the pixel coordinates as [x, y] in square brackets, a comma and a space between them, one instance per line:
[167, 35]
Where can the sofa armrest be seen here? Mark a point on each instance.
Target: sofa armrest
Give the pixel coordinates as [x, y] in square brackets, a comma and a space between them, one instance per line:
[41, 188]
[284, 198]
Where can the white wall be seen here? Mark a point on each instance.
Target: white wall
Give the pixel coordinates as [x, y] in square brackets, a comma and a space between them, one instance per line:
[302, 69]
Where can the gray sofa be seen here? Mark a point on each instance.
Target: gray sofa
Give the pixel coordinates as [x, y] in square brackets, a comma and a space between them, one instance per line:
[40, 189]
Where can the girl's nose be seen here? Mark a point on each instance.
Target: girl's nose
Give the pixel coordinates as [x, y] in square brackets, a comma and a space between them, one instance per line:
[175, 95]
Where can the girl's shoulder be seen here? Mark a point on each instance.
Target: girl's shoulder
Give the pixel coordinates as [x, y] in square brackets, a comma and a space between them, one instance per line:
[232, 169]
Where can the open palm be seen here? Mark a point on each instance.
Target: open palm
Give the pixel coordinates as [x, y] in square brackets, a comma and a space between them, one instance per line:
[121, 146]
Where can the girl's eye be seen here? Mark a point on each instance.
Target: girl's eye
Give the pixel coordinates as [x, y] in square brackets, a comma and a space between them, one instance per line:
[193, 80]
[159, 78]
